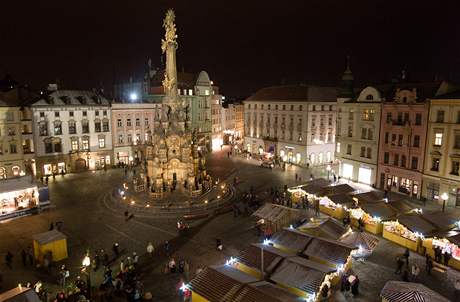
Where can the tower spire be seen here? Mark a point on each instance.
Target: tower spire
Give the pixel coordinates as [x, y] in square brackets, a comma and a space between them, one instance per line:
[169, 46]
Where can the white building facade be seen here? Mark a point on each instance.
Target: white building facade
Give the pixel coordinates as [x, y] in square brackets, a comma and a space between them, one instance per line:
[294, 123]
[132, 128]
[72, 132]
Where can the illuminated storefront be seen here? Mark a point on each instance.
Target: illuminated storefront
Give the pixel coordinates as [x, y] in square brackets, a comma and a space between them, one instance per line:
[18, 197]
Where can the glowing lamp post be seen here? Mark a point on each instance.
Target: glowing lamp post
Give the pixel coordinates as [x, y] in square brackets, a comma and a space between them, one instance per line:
[86, 268]
[444, 198]
[133, 96]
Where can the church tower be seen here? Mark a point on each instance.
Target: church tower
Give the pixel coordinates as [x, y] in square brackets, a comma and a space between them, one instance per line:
[345, 90]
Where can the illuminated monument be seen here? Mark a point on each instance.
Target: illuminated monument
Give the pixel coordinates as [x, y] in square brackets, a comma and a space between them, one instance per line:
[173, 160]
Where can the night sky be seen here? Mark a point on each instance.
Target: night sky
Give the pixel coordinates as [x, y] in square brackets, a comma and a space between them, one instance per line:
[244, 45]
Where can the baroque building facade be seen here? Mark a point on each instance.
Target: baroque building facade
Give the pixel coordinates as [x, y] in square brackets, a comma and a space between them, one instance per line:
[442, 164]
[72, 131]
[293, 122]
[132, 129]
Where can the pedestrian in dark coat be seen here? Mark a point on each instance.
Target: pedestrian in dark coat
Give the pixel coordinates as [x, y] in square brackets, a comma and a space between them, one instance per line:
[400, 264]
[406, 256]
[24, 257]
[428, 264]
[355, 287]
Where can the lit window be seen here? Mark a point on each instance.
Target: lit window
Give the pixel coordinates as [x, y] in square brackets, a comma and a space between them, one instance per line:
[85, 143]
[190, 92]
[101, 142]
[74, 144]
[438, 139]
[338, 148]
[206, 92]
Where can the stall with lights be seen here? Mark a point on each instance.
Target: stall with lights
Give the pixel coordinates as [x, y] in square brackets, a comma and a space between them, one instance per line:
[275, 217]
[311, 190]
[447, 237]
[372, 215]
[327, 227]
[408, 230]
[18, 197]
[336, 205]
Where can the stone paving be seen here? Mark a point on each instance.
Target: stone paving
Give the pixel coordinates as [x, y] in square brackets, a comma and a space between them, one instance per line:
[81, 203]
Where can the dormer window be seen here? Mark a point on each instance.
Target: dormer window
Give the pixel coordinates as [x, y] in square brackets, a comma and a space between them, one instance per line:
[369, 97]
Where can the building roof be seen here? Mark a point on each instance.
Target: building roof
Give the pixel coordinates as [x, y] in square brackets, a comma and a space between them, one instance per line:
[270, 291]
[326, 228]
[416, 224]
[442, 220]
[293, 93]
[329, 250]
[292, 240]
[301, 274]
[47, 237]
[251, 257]
[19, 294]
[379, 209]
[17, 184]
[216, 285]
[273, 212]
[337, 189]
[72, 97]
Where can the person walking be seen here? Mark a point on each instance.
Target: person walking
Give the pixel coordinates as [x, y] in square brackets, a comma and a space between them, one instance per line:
[167, 247]
[316, 207]
[51, 226]
[30, 255]
[24, 257]
[135, 259]
[355, 287]
[428, 264]
[115, 249]
[406, 256]
[122, 266]
[457, 290]
[9, 259]
[150, 249]
[415, 271]
[296, 177]
[399, 265]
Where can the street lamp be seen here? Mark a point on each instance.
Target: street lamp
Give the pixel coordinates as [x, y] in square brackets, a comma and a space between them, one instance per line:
[86, 264]
[328, 168]
[133, 96]
[444, 198]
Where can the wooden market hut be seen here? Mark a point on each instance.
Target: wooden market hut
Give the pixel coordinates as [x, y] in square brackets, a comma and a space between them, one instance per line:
[52, 243]
[276, 216]
[337, 189]
[398, 291]
[329, 228]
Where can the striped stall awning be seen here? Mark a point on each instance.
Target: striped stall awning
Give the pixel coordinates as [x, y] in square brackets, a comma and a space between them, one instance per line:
[397, 291]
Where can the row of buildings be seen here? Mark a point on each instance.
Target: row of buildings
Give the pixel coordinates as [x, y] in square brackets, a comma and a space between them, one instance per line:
[74, 130]
[400, 136]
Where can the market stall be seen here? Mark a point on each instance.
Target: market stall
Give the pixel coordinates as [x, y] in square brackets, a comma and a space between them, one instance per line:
[398, 291]
[19, 294]
[364, 242]
[408, 230]
[18, 197]
[372, 214]
[374, 196]
[328, 228]
[336, 205]
[446, 239]
[276, 217]
[51, 244]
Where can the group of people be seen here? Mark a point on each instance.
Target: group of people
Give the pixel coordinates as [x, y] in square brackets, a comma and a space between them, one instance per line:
[410, 273]
[350, 283]
[442, 254]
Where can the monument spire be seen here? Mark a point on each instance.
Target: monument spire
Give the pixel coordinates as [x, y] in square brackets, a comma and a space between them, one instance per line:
[169, 46]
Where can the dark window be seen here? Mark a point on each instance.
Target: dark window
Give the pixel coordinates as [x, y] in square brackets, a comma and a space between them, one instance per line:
[57, 147]
[457, 141]
[330, 107]
[84, 127]
[363, 151]
[393, 139]
[71, 113]
[48, 147]
[396, 160]
[104, 112]
[313, 108]
[403, 161]
[455, 167]
[349, 149]
[388, 117]
[400, 140]
[386, 158]
[72, 127]
[85, 113]
[56, 113]
[42, 114]
[105, 126]
[416, 141]
[57, 128]
[458, 117]
[406, 117]
[435, 164]
[414, 163]
[97, 126]
[418, 119]
[97, 112]
[43, 129]
[363, 133]
[440, 116]
[369, 153]
[322, 108]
